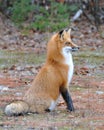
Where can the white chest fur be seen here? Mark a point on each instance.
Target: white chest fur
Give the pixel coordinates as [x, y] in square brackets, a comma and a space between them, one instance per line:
[69, 61]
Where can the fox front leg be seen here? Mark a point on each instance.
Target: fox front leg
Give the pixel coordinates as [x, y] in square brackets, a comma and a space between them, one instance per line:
[66, 96]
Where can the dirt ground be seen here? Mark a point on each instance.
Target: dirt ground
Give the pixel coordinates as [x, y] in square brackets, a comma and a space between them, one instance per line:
[21, 57]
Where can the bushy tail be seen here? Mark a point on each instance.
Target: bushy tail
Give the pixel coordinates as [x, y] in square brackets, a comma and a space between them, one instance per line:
[16, 108]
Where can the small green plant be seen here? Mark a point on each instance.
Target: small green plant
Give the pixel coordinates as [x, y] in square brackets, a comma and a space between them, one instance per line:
[53, 18]
[21, 10]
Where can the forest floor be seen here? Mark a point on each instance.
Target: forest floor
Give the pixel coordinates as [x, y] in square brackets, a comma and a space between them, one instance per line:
[21, 56]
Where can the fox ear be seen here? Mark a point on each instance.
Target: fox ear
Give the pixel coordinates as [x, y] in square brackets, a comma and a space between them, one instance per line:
[69, 31]
[61, 32]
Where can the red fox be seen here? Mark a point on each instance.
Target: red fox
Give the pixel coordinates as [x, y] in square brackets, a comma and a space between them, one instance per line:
[52, 80]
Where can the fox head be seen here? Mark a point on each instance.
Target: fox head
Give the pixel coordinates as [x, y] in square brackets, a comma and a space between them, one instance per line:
[65, 40]
[60, 43]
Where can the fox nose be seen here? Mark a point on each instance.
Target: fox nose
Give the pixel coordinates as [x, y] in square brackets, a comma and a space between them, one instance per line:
[76, 48]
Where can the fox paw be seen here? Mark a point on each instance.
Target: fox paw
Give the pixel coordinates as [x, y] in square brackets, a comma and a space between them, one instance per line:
[47, 110]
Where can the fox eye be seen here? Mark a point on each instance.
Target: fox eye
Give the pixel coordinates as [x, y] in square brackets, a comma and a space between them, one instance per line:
[67, 43]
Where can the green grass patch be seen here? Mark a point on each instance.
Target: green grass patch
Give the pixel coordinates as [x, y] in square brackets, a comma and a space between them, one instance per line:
[39, 17]
[89, 57]
[9, 58]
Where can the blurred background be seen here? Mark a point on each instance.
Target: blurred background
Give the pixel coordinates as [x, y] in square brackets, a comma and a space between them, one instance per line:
[25, 28]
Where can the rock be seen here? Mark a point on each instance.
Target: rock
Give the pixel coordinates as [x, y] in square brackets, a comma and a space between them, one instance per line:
[18, 94]
[99, 92]
[3, 88]
[34, 71]
[20, 68]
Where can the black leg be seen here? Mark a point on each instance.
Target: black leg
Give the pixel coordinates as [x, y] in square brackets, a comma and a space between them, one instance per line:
[47, 110]
[66, 96]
